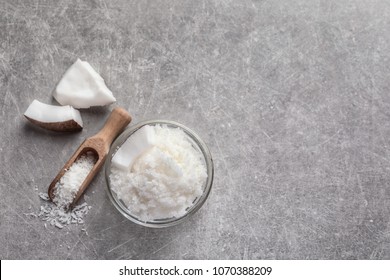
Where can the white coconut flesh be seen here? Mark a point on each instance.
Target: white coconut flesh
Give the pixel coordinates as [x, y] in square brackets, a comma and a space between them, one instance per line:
[141, 141]
[82, 87]
[58, 118]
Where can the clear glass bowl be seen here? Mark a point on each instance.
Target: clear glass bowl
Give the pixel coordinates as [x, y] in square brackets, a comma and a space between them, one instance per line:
[197, 143]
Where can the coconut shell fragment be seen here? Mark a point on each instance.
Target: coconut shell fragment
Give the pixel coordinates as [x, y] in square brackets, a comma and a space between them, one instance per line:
[55, 118]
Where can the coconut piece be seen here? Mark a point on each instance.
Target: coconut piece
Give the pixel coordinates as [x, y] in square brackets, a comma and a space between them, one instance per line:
[57, 118]
[82, 87]
[138, 143]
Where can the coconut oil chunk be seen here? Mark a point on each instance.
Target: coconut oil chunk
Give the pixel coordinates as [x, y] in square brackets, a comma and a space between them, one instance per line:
[67, 187]
[82, 87]
[163, 179]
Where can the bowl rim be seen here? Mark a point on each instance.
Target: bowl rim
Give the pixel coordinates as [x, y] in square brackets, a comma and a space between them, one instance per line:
[206, 187]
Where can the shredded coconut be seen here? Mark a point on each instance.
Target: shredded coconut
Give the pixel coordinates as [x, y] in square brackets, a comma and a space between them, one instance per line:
[163, 181]
[69, 184]
[59, 214]
[59, 217]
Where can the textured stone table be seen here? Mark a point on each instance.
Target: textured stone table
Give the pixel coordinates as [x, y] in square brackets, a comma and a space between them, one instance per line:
[292, 97]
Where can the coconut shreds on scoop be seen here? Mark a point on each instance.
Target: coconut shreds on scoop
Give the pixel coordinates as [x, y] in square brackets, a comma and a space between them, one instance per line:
[82, 87]
[57, 118]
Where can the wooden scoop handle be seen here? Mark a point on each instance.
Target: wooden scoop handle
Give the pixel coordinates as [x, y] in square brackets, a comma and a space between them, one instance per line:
[114, 125]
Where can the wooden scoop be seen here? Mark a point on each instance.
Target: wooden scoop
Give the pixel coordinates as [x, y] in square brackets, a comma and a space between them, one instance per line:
[98, 145]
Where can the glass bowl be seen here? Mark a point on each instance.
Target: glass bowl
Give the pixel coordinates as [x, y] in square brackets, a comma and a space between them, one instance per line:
[197, 143]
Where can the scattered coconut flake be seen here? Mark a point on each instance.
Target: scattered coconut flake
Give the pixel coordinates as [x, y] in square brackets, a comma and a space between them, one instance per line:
[57, 224]
[57, 216]
[44, 196]
[31, 214]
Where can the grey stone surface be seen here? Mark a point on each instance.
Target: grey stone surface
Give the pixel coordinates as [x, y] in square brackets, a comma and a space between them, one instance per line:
[292, 98]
